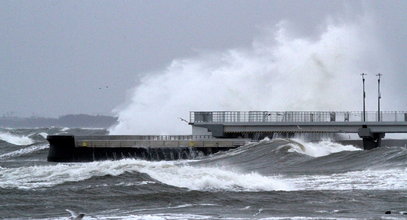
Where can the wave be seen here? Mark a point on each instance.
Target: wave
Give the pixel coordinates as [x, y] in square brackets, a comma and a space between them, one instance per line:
[15, 139]
[215, 179]
[319, 149]
[279, 145]
[174, 173]
[113, 214]
[391, 179]
[279, 155]
[47, 176]
[41, 134]
[155, 216]
[201, 178]
[268, 165]
[24, 151]
[216, 176]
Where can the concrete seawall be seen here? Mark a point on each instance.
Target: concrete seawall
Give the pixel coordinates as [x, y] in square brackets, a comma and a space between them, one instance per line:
[69, 148]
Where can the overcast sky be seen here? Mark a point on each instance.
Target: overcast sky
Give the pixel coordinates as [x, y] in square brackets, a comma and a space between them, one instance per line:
[62, 57]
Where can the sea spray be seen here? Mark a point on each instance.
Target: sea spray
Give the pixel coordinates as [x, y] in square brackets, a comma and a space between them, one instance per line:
[279, 72]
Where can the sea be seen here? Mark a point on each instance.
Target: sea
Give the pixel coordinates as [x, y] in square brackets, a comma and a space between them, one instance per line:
[271, 179]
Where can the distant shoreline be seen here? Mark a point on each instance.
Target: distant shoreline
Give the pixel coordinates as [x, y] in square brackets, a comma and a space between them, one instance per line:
[70, 121]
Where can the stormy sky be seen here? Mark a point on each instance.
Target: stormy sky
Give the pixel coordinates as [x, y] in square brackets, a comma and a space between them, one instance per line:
[63, 57]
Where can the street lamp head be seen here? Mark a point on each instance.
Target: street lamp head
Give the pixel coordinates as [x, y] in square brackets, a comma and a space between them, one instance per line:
[379, 96]
[364, 96]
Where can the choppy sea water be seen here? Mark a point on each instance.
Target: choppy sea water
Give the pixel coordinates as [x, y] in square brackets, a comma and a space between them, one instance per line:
[271, 179]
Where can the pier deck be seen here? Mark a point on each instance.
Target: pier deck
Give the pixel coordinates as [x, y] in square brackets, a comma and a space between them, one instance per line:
[156, 141]
[265, 123]
[70, 148]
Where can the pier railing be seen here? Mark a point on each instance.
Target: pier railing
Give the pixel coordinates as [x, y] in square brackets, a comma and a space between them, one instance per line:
[156, 141]
[145, 137]
[294, 116]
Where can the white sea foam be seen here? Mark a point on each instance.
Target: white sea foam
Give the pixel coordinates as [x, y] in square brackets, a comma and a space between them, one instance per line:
[24, 151]
[15, 139]
[180, 174]
[43, 134]
[319, 149]
[176, 216]
[47, 176]
[209, 179]
[171, 173]
[390, 179]
[156, 216]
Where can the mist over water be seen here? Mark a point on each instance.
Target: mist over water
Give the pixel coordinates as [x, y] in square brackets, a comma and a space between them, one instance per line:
[278, 72]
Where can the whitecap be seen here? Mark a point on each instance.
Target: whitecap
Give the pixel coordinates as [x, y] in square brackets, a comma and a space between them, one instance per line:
[15, 139]
[24, 151]
[391, 179]
[319, 149]
[172, 173]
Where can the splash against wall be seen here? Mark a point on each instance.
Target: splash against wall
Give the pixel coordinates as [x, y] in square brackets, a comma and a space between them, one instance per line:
[279, 72]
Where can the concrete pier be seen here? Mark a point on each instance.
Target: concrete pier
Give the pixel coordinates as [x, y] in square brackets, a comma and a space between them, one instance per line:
[69, 148]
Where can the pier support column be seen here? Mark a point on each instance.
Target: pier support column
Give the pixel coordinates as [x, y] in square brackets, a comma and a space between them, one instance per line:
[371, 140]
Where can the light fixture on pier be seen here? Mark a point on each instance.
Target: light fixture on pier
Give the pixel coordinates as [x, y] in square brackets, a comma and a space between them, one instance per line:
[379, 96]
[364, 96]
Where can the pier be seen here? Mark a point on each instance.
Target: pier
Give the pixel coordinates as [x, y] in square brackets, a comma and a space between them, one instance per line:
[70, 148]
[217, 131]
[371, 126]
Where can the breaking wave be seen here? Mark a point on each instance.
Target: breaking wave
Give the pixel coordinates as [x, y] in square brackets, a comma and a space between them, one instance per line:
[24, 151]
[319, 149]
[389, 179]
[216, 178]
[269, 165]
[264, 166]
[272, 156]
[170, 173]
[15, 139]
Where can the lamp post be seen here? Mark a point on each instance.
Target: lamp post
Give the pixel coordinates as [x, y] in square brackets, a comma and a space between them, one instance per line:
[364, 96]
[379, 96]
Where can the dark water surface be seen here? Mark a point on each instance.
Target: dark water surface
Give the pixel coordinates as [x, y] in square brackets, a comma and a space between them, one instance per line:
[278, 179]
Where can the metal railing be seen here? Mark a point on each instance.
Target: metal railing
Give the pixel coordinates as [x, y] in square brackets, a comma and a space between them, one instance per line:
[145, 137]
[119, 141]
[294, 116]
